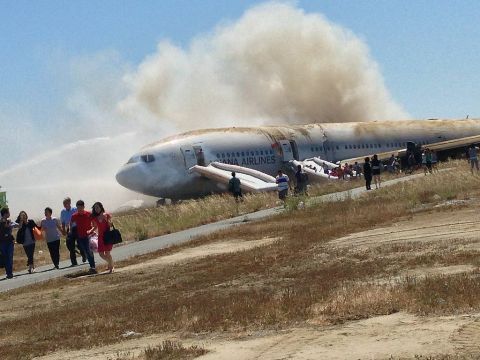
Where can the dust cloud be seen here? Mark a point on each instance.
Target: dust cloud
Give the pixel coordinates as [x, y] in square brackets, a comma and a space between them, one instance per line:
[275, 64]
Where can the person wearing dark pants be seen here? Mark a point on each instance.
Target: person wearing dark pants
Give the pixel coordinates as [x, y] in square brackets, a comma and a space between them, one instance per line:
[80, 224]
[26, 238]
[54, 250]
[6, 248]
[70, 240]
[30, 251]
[52, 229]
[367, 173]
[7, 241]
[84, 244]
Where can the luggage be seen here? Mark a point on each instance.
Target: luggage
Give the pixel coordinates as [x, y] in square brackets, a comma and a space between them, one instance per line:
[112, 236]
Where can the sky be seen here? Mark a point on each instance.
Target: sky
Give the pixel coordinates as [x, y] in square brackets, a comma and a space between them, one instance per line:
[84, 84]
[426, 50]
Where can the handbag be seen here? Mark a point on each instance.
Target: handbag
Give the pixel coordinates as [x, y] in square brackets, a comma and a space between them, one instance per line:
[112, 236]
[37, 234]
[21, 235]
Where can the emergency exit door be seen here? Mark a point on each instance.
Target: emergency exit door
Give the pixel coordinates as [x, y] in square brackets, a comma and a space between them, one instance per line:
[286, 150]
[189, 156]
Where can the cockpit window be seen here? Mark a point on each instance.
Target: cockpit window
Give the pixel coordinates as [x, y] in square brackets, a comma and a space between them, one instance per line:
[132, 160]
[148, 158]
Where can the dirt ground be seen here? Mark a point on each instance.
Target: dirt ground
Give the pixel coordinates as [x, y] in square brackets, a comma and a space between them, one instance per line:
[399, 335]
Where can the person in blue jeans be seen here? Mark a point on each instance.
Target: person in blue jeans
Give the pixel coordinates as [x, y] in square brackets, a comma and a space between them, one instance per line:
[81, 223]
[7, 241]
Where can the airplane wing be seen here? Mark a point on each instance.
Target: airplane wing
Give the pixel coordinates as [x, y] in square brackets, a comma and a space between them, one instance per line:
[442, 146]
[250, 180]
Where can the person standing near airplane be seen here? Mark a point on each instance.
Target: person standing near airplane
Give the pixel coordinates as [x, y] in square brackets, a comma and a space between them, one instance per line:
[52, 229]
[235, 188]
[473, 157]
[358, 169]
[26, 238]
[65, 217]
[283, 186]
[302, 178]
[367, 173]
[101, 223]
[376, 164]
[81, 222]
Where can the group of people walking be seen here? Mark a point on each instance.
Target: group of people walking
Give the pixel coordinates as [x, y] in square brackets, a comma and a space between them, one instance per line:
[78, 225]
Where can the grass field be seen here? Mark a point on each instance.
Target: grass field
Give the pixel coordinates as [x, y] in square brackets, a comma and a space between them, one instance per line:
[297, 279]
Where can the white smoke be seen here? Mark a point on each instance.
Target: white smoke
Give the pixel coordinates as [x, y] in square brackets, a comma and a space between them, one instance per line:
[276, 64]
[77, 153]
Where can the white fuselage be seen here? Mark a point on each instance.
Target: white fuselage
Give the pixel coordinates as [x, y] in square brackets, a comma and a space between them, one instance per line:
[161, 169]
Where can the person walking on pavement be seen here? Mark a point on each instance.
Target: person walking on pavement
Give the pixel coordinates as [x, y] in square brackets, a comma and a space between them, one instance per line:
[70, 240]
[102, 222]
[52, 229]
[26, 238]
[81, 223]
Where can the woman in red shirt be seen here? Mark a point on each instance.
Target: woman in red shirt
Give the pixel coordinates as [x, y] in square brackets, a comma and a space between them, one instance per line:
[101, 222]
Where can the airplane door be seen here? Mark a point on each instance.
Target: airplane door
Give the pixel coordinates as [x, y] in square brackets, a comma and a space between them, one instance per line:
[294, 147]
[286, 150]
[199, 155]
[189, 156]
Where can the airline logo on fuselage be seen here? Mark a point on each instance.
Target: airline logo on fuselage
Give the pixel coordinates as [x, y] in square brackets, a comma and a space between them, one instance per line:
[250, 160]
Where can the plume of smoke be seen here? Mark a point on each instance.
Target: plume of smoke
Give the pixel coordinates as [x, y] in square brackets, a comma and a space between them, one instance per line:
[276, 64]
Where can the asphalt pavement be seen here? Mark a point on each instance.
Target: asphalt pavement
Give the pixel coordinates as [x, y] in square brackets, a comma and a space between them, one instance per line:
[44, 273]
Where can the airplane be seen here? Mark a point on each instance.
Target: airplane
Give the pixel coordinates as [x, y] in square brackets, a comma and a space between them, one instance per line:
[199, 162]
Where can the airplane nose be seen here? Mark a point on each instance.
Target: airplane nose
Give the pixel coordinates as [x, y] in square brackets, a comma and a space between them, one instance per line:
[128, 176]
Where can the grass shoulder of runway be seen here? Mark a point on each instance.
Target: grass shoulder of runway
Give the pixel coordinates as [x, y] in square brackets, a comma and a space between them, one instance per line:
[141, 224]
[297, 279]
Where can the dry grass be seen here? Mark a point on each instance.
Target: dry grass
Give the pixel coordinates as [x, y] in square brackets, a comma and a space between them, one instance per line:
[294, 280]
[168, 350]
[142, 224]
